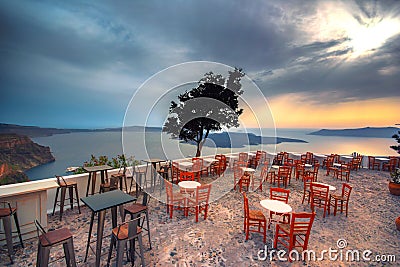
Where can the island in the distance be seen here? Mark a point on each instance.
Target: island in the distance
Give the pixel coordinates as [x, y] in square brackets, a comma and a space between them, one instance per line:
[375, 132]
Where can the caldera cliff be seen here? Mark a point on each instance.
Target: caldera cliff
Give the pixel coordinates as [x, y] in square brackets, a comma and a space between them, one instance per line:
[19, 153]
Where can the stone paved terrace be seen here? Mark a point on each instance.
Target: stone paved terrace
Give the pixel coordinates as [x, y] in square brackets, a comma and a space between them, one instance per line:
[220, 241]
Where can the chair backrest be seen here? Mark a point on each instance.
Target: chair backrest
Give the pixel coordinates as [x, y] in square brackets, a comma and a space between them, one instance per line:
[307, 180]
[279, 194]
[131, 225]
[40, 231]
[243, 156]
[319, 191]
[61, 181]
[392, 162]
[246, 206]
[301, 223]
[175, 171]
[186, 176]
[197, 164]
[237, 172]
[114, 180]
[241, 163]
[203, 193]
[346, 190]
[169, 191]
[142, 169]
[145, 199]
[284, 171]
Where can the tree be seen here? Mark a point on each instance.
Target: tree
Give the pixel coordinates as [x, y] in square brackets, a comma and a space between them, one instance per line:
[213, 104]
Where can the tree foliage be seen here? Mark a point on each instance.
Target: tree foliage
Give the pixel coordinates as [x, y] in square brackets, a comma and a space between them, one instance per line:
[211, 105]
[397, 137]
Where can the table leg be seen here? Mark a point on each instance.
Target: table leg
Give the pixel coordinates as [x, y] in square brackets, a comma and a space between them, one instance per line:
[93, 182]
[88, 184]
[114, 216]
[90, 234]
[100, 228]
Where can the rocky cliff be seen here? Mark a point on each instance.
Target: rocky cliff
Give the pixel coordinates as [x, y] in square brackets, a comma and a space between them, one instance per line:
[19, 153]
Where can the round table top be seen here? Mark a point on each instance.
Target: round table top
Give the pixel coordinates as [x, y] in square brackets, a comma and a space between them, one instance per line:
[337, 164]
[308, 165]
[189, 184]
[331, 187]
[245, 169]
[276, 206]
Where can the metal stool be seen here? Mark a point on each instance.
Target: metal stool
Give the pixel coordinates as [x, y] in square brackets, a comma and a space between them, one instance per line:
[63, 186]
[141, 180]
[137, 209]
[6, 211]
[127, 231]
[53, 238]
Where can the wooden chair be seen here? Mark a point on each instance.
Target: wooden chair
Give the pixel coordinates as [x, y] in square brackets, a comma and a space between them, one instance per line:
[313, 173]
[237, 174]
[175, 172]
[254, 161]
[186, 176]
[355, 164]
[110, 184]
[343, 172]
[296, 234]
[299, 170]
[263, 177]
[278, 159]
[220, 166]
[372, 163]
[341, 201]
[391, 165]
[47, 240]
[307, 158]
[197, 168]
[6, 212]
[319, 196]
[243, 157]
[254, 220]
[307, 188]
[282, 175]
[63, 186]
[281, 195]
[136, 209]
[175, 201]
[199, 202]
[122, 234]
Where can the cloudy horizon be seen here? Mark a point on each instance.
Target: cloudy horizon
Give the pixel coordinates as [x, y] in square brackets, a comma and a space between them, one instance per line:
[319, 64]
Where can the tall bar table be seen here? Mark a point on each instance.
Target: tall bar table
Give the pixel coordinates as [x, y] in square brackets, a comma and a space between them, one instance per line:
[92, 176]
[99, 204]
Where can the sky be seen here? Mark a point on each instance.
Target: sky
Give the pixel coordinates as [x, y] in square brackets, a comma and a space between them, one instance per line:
[318, 64]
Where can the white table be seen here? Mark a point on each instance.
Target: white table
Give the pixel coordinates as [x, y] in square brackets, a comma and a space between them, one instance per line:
[347, 158]
[320, 156]
[382, 159]
[186, 165]
[331, 188]
[189, 184]
[337, 164]
[209, 160]
[245, 169]
[308, 166]
[276, 206]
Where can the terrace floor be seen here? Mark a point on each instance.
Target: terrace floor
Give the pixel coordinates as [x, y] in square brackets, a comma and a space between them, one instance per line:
[220, 241]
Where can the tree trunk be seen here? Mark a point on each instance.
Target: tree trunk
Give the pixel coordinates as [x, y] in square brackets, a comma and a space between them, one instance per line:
[198, 152]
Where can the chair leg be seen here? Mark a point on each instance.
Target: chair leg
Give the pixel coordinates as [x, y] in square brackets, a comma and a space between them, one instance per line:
[120, 251]
[67, 254]
[141, 249]
[112, 243]
[8, 233]
[63, 192]
[18, 228]
[77, 198]
[71, 197]
[148, 226]
[71, 252]
[56, 200]
[44, 257]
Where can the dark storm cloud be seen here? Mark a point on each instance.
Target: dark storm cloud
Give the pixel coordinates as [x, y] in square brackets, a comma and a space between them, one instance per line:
[95, 54]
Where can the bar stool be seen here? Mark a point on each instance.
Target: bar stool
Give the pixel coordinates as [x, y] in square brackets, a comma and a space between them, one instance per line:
[6, 211]
[141, 180]
[127, 231]
[47, 240]
[137, 209]
[63, 186]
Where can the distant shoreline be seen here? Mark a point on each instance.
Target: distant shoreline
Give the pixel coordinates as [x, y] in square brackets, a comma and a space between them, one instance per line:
[375, 132]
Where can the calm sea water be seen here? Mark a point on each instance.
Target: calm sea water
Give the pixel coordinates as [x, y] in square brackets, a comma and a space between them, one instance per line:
[75, 148]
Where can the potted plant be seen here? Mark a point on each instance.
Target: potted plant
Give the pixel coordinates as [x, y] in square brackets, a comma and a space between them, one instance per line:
[394, 185]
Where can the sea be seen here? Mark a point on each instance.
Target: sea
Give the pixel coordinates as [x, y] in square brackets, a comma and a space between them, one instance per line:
[73, 149]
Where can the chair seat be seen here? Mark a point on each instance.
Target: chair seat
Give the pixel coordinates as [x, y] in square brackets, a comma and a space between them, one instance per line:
[339, 197]
[4, 212]
[256, 215]
[123, 232]
[135, 208]
[55, 237]
[286, 228]
[69, 184]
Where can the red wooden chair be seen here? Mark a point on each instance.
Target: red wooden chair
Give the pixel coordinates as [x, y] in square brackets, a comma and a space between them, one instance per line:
[372, 163]
[319, 196]
[299, 170]
[254, 220]
[263, 176]
[307, 188]
[391, 165]
[186, 176]
[199, 202]
[341, 201]
[296, 234]
[281, 195]
[196, 169]
[313, 173]
[237, 174]
[343, 172]
[175, 201]
[175, 172]
[282, 175]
